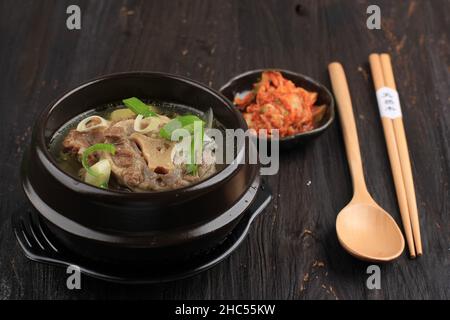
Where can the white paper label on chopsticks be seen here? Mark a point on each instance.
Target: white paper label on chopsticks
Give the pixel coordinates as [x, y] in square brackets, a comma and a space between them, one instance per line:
[389, 103]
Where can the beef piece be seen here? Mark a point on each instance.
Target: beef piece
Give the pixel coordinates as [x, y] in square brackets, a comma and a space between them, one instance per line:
[120, 131]
[127, 164]
[206, 170]
[140, 163]
[158, 154]
[76, 142]
[161, 170]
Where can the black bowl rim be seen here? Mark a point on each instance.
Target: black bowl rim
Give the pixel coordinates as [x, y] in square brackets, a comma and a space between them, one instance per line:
[79, 186]
[294, 74]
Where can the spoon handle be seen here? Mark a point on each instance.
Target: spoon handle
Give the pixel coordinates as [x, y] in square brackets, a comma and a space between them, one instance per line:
[344, 104]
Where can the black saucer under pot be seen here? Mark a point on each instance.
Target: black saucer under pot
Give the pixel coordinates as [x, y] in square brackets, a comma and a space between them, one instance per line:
[244, 82]
[122, 227]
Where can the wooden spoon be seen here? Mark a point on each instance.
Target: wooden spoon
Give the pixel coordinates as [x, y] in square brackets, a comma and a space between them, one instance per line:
[364, 229]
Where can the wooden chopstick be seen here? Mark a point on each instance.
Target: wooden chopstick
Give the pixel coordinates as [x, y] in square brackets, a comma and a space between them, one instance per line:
[391, 144]
[402, 147]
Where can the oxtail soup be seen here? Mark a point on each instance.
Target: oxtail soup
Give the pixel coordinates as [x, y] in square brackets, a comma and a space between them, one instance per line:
[128, 146]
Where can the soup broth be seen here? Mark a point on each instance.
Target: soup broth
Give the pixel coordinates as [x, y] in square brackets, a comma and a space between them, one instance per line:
[114, 147]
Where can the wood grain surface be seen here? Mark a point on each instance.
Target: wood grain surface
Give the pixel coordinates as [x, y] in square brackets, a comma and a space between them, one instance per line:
[292, 251]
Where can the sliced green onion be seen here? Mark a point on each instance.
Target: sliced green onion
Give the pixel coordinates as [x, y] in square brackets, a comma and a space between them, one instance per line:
[154, 123]
[102, 170]
[192, 168]
[107, 147]
[181, 122]
[139, 107]
[82, 126]
[186, 122]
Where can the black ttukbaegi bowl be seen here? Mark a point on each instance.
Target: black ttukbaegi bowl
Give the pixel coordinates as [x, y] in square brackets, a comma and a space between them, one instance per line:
[124, 227]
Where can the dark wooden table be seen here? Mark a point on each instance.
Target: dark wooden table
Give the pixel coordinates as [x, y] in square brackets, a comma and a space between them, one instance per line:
[292, 250]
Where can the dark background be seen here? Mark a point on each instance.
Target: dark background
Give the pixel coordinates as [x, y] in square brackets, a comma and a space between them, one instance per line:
[211, 41]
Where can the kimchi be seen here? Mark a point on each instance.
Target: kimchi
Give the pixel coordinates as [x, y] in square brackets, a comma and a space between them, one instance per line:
[277, 103]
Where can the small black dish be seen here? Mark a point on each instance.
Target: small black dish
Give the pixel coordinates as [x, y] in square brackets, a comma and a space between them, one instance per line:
[40, 245]
[245, 81]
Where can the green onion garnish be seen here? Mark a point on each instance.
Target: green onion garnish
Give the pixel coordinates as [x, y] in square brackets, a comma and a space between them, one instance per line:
[186, 122]
[182, 122]
[192, 168]
[139, 107]
[107, 147]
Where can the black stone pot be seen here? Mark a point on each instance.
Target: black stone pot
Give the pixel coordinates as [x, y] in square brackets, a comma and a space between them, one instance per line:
[125, 227]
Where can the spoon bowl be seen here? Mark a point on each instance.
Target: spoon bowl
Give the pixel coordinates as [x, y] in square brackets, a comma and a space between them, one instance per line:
[369, 233]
